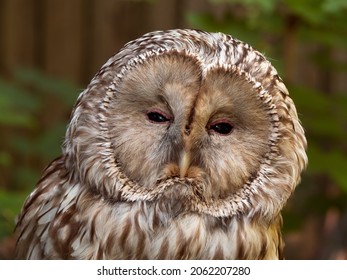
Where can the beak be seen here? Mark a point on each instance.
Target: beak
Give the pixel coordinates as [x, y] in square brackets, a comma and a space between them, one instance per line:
[184, 163]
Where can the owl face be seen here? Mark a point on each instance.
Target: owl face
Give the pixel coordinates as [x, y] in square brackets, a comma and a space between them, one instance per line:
[190, 112]
[170, 118]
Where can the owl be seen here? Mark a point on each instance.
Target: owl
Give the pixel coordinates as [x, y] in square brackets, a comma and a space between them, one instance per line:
[185, 145]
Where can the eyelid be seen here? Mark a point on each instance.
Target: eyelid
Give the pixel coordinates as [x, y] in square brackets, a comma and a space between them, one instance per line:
[223, 120]
[156, 110]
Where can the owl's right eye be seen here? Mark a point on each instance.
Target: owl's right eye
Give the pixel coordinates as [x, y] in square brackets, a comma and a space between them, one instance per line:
[157, 117]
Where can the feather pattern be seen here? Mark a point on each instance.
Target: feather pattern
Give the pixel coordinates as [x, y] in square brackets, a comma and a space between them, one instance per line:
[117, 191]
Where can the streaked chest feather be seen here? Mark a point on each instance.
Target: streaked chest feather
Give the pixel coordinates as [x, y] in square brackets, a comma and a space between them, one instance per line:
[88, 228]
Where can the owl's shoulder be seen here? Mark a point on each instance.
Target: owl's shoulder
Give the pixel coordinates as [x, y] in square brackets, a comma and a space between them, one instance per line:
[39, 210]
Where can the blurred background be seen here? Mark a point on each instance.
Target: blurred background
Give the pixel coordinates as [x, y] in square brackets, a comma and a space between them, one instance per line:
[50, 50]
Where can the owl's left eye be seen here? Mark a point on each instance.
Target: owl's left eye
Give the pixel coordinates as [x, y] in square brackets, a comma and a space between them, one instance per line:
[157, 117]
[222, 127]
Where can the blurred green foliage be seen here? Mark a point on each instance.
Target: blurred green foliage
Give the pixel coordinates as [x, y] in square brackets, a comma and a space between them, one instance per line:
[34, 110]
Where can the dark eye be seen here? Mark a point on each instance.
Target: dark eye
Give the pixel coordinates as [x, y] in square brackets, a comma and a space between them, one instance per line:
[157, 117]
[221, 127]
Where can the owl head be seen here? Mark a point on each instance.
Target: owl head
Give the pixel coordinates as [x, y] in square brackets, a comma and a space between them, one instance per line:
[199, 115]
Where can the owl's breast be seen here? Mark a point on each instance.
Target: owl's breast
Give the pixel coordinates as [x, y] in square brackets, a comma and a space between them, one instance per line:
[190, 235]
[166, 228]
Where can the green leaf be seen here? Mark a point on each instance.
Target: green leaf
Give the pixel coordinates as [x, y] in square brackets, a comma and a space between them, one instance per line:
[309, 10]
[13, 96]
[262, 5]
[331, 163]
[334, 6]
[10, 205]
[66, 91]
[11, 118]
[5, 158]
[17, 106]
[49, 143]
[26, 177]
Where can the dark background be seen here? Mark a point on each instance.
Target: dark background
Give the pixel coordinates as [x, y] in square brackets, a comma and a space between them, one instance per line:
[50, 50]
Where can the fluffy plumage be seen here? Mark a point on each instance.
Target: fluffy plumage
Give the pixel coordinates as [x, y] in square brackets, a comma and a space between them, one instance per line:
[185, 145]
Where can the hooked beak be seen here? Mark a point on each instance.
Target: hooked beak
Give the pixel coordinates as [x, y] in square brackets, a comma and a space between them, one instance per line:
[184, 163]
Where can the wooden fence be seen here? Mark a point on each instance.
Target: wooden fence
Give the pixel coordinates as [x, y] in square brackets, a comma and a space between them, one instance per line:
[71, 39]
